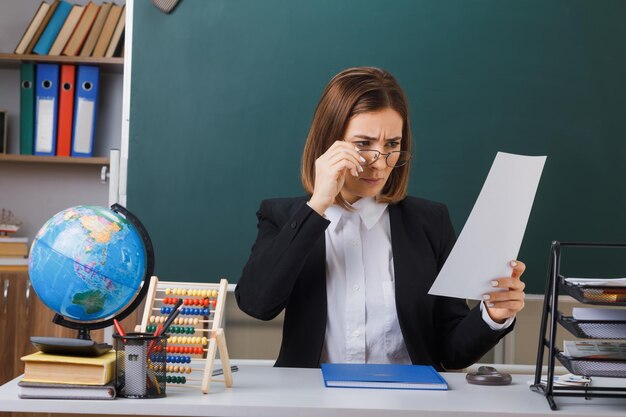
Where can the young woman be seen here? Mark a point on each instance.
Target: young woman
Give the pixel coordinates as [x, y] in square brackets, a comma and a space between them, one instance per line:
[351, 264]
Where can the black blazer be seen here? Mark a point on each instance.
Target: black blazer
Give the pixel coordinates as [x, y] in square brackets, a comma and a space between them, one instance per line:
[287, 270]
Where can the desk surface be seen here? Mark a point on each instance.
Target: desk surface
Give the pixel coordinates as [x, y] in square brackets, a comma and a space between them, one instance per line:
[262, 390]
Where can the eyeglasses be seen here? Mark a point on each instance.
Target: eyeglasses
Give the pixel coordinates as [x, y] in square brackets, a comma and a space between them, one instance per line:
[393, 159]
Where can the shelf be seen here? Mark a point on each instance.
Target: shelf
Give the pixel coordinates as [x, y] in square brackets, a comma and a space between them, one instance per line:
[54, 159]
[597, 295]
[13, 61]
[598, 366]
[593, 329]
[593, 367]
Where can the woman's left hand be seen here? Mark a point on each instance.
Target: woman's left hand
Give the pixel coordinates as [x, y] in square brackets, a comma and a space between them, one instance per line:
[504, 304]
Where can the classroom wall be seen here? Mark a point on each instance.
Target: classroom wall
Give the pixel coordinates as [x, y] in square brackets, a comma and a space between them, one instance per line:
[223, 93]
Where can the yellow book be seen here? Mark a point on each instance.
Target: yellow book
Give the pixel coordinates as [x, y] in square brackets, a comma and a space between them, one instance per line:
[107, 31]
[66, 31]
[58, 369]
[117, 34]
[96, 29]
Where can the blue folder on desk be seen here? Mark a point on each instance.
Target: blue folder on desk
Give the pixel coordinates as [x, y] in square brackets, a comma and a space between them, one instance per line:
[348, 375]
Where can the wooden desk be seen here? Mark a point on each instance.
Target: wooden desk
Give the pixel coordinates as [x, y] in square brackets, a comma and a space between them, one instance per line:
[267, 391]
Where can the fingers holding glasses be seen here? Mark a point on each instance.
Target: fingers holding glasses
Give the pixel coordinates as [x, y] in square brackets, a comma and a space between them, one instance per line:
[330, 169]
[342, 156]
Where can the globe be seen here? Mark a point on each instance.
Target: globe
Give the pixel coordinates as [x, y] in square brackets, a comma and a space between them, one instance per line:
[88, 263]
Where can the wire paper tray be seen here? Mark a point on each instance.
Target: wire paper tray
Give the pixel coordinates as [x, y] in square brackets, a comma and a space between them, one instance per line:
[593, 329]
[600, 295]
[593, 367]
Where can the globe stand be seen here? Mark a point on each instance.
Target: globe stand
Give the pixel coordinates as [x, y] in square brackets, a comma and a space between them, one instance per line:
[83, 331]
[81, 345]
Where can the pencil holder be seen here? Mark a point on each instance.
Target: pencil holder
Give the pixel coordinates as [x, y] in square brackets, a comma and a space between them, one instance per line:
[140, 367]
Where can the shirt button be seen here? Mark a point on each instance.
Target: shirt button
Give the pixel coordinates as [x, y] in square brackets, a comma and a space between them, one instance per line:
[356, 288]
[293, 225]
[355, 242]
[356, 333]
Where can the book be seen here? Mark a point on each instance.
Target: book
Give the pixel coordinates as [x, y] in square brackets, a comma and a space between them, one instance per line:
[60, 369]
[107, 31]
[567, 380]
[96, 29]
[52, 29]
[117, 35]
[599, 314]
[13, 249]
[42, 27]
[76, 41]
[10, 239]
[348, 375]
[595, 350]
[13, 261]
[67, 30]
[65, 391]
[32, 27]
[597, 282]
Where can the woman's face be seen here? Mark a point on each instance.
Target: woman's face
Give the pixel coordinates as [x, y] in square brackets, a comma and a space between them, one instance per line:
[381, 131]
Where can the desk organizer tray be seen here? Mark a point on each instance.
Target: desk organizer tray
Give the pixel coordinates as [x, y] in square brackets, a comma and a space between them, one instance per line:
[593, 367]
[593, 329]
[600, 295]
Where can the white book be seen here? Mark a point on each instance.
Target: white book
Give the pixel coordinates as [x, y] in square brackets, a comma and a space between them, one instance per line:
[13, 261]
[595, 349]
[599, 314]
[597, 282]
[6, 239]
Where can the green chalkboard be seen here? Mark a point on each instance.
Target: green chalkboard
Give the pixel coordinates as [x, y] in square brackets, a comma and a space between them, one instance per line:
[223, 92]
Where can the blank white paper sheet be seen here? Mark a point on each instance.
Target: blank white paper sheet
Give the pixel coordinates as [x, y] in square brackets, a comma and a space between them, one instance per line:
[493, 233]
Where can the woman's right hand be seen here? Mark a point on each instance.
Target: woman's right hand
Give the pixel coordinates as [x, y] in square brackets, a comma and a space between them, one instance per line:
[339, 160]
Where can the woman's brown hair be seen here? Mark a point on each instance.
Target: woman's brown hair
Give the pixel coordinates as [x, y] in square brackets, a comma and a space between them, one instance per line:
[351, 92]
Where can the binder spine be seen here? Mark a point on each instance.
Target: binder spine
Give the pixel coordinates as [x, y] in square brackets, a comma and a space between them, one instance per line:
[46, 108]
[85, 108]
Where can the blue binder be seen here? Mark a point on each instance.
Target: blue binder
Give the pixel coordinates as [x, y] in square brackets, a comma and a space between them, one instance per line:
[85, 108]
[46, 109]
[53, 28]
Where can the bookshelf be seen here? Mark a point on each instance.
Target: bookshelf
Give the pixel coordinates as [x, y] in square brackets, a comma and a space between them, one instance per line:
[96, 160]
[108, 65]
[36, 187]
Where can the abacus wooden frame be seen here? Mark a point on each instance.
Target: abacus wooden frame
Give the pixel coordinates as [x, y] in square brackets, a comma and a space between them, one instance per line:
[216, 338]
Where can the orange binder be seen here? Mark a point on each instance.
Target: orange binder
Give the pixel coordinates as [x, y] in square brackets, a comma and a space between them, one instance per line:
[66, 110]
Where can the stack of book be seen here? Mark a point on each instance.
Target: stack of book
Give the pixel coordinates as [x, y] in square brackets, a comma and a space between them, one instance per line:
[68, 377]
[13, 250]
[62, 28]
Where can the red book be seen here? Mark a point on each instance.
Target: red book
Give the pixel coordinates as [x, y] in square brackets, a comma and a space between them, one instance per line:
[66, 110]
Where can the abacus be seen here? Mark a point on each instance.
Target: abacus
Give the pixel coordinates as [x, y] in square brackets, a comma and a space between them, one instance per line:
[196, 334]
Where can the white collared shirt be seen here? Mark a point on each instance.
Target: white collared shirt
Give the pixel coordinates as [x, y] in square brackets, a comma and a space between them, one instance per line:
[362, 324]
